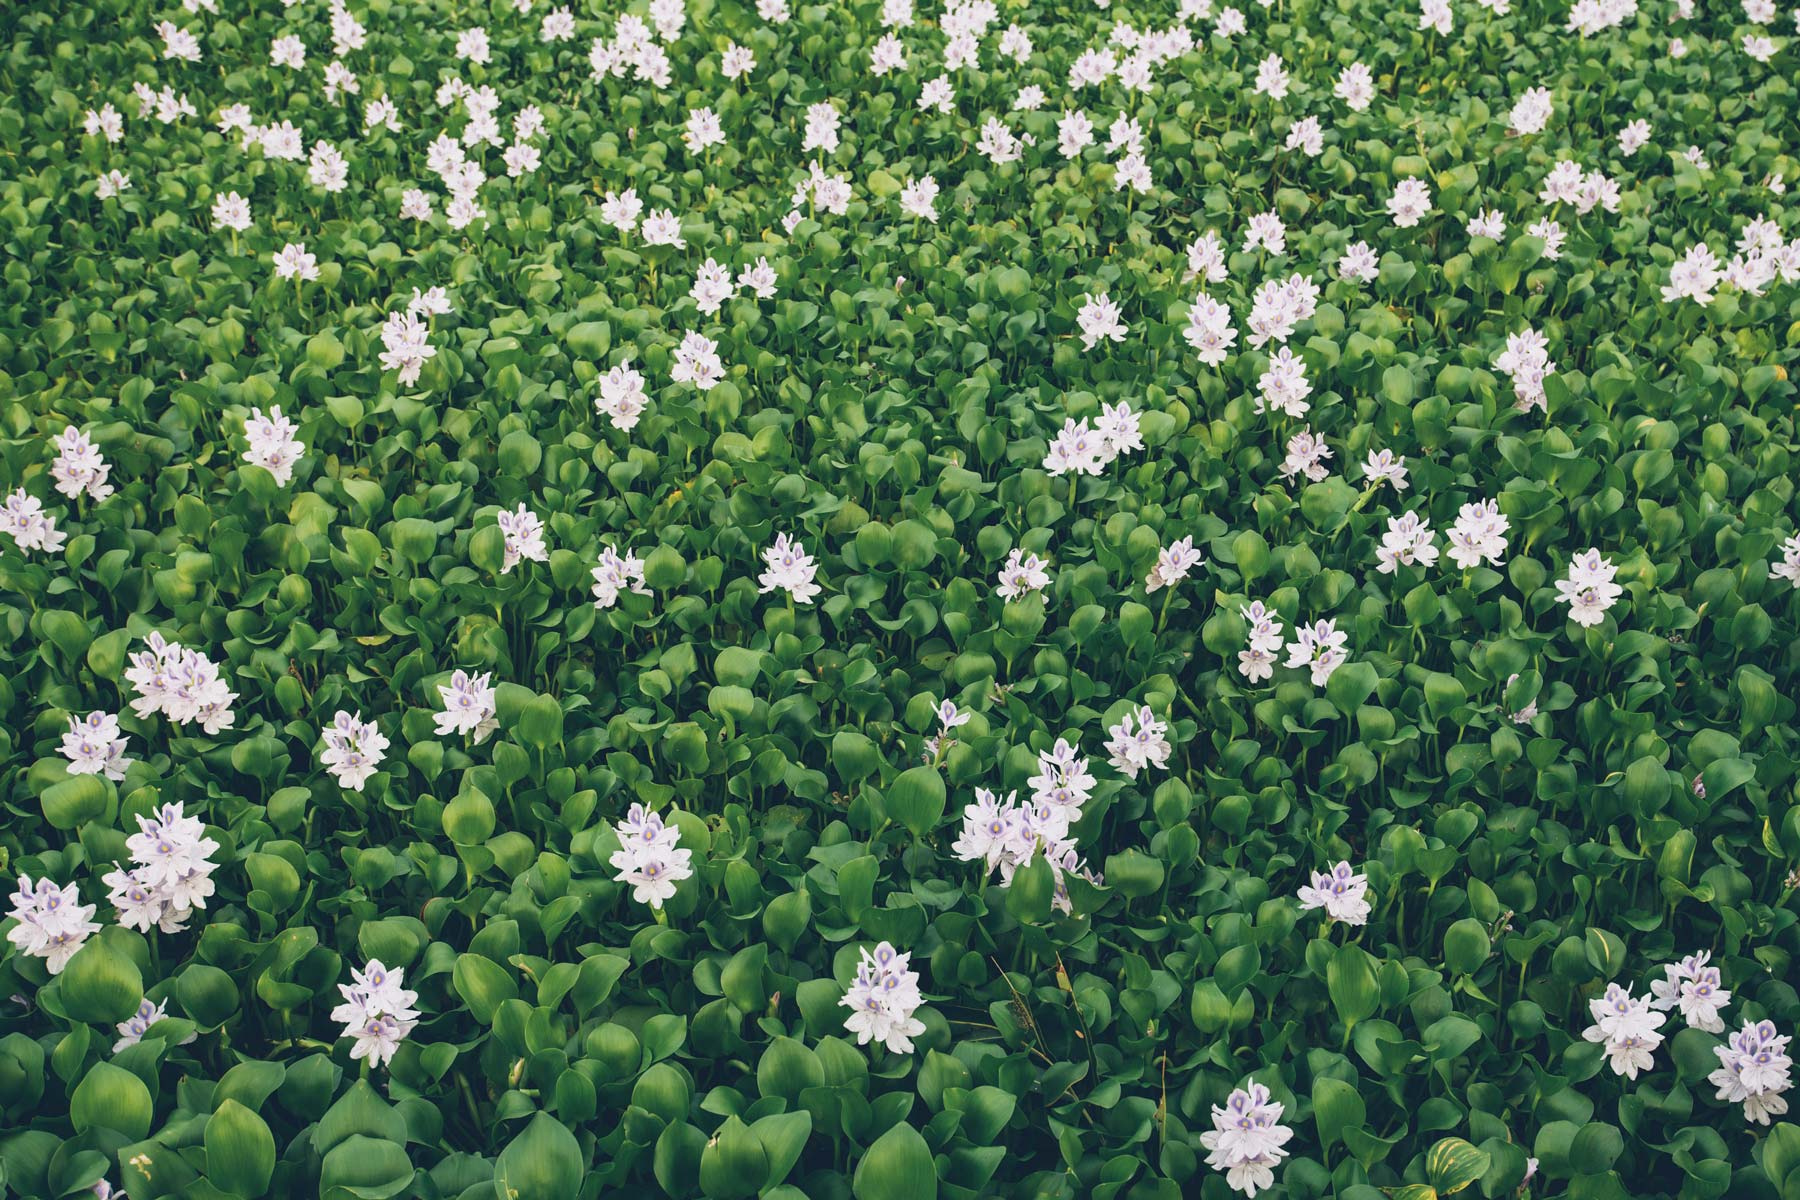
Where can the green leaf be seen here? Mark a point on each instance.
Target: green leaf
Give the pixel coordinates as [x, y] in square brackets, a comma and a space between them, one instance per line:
[917, 799]
[240, 1150]
[1336, 1107]
[544, 1162]
[898, 1166]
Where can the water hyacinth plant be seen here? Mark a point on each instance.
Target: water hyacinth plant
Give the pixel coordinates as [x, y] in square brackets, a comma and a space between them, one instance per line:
[899, 599]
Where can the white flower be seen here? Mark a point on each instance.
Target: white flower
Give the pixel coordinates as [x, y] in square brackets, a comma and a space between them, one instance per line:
[1589, 590]
[703, 130]
[759, 280]
[1789, 566]
[53, 923]
[1264, 632]
[1409, 203]
[1306, 455]
[617, 574]
[663, 228]
[377, 1013]
[523, 536]
[1319, 647]
[791, 569]
[1025, 574]
[736, 62]
[79, 468]
[1283, 386]
[288, 51]
[1173, 562]
[1358, 263]
[1132, 750]
[1408, 541]
[1634, 136]
[293, 262]
[1206, 259]
[111, 184]
[1754, 1070]
[1209, 329]
[1479, 535]
[231, 211]
[182, 684]
[1272, 79]
[882, 1000]
[1341, 892]
[621, 210]
[472, 46]
[1074, 133]
[1099, 321]
[1246, 1139]
[697, 362]
[1531, 111]
[354, 749]
[919, 199]
[1694, 988]
[1266, 230]
[273, 446]
[822, 124]
[1488, 223]
[171, 874]
[469, 706]
[132, 1031]
[621, 400]
[1526, 360]
[1695, 276]
[1306, 136]
[1383, 467]
[104, 122]
[1355, 87]
[648, 857]
[94, 746]
[1628, 1028]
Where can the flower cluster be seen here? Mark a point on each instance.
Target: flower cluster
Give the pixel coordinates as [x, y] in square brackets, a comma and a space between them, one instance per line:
[1088, 450]
[170, 875]
[79, 467]
[615, 574]
[354, 749]
[1695, 989]
[182, 684]
[273, 445]
[1627, 1026]
[1589, 590]
[649, 857]
[1320, 648]
[52, 921]
[1526, 360]
[1479, 535]
[1263, 641]
[523, 538]
[1754, 1071]
[1246, 1139]
[1407, 542]
[93, 745]
[377, 1012]
[24, 518]
[1341, 892]
[469, 706]
[791, 569]
[1132, 750]
[1026, 575]
[1789, 566]
[882, 999]
[1173, 562]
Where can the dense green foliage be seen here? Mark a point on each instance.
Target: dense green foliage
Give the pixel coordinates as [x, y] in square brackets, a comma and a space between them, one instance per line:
[891, 406]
